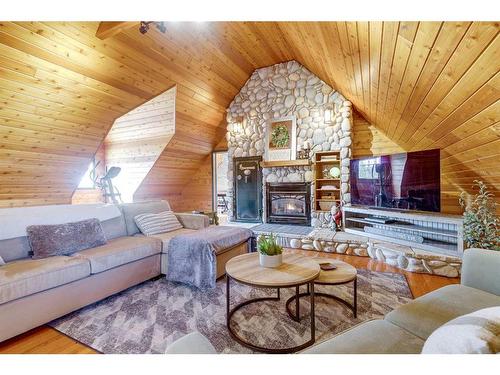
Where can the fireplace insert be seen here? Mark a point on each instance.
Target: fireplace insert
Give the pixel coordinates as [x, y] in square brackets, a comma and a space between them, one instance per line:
[288, 203]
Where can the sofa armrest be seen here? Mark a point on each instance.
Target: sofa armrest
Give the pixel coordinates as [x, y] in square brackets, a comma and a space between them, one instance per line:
[193, 343]
[480, 270]
[193, 221]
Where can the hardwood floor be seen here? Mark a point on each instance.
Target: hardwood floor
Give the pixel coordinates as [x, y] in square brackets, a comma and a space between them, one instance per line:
[46, 340]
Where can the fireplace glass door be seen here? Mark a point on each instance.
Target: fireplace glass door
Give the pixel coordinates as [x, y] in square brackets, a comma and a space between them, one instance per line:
[288, 204]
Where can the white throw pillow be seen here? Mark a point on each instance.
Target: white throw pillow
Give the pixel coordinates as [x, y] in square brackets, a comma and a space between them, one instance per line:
[478, 332]
[2, 262]
[150, 224]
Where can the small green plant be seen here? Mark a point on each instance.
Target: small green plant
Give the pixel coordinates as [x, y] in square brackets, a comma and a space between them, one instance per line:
[481, 224]
[267, 245]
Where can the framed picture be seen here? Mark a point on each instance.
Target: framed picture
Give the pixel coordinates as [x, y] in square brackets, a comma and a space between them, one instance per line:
[281, 139]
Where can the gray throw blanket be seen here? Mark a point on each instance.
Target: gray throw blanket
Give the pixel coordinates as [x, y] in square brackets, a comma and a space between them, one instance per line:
[192, 257]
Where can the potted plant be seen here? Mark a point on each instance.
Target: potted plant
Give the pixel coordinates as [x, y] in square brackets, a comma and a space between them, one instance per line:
[481, 224]
[270, 253]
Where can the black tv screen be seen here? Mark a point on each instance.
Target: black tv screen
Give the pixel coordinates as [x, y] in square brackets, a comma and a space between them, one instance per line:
[408, 181]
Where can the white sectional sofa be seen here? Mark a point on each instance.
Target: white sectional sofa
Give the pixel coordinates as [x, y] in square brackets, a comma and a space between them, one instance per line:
[34, 292]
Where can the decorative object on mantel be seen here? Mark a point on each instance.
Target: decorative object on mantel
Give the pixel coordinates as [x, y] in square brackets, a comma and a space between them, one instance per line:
[270, 253]
[303, 152]
[481, 225]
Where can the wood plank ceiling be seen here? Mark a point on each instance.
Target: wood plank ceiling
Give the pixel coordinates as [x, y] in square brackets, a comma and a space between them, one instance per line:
[422, 84]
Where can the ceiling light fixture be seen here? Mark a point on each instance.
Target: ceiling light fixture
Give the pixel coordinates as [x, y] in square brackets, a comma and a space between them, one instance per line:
[144, 27]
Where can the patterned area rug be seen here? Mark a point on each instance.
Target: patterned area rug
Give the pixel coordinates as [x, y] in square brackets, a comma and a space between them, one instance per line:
[149, 317]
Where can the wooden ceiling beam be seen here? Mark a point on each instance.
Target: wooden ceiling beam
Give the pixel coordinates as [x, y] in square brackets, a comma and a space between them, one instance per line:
[107, 29]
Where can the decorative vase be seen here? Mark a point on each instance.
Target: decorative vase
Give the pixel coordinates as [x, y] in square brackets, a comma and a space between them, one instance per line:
[270, 261]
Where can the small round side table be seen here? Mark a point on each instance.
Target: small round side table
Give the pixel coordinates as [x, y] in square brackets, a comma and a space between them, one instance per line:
[343, 274]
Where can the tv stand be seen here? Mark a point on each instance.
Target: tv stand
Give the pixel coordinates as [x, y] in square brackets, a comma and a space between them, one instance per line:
[434, 232]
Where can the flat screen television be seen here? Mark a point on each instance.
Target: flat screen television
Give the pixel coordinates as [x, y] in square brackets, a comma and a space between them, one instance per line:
[409, 181]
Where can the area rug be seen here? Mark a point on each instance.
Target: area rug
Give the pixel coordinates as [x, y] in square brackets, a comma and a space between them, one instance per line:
[147, 318]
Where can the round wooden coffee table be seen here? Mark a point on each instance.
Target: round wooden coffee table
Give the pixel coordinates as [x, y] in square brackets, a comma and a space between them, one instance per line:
[343, 274]
[295, 271]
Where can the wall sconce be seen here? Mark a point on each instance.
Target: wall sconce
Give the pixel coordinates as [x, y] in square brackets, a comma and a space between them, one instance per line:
[238, 125]
[329, 114]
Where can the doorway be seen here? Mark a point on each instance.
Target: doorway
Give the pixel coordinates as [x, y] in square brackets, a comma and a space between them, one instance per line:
[220, 186]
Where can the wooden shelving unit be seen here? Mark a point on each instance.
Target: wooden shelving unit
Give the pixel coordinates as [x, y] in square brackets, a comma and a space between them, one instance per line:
[327, 189]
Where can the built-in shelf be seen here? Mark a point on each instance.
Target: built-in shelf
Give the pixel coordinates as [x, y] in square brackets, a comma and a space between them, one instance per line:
[408, 227]
[327, 162]
[441, 233]
[333, 183]
[285, 163]
[429, 245]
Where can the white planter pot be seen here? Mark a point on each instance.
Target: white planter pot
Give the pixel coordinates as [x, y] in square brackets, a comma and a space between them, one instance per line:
[270, 261]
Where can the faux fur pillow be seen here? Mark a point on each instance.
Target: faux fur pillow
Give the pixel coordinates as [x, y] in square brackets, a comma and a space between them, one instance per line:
[150, 224]
[475, 333]
[65, 239]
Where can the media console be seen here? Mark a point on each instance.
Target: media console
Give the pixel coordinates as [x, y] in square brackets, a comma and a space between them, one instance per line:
[434, 232]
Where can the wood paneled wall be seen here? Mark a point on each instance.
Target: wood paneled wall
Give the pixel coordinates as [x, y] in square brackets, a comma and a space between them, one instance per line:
[368, 140]
[423, 84]
[137, 139]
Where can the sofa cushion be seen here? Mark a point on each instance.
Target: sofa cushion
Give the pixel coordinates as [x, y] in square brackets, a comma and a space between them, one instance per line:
[119, 251]
[475, 333]
[25, 277]
[166, 237]
[114, 228]
[150, 224]
[372, 337]
[425, 314]
[15, 249]
[64, 239]
[131, 210]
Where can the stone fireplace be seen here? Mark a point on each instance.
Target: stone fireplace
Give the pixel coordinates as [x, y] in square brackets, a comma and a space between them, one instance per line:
[288, 203]
[323, 121]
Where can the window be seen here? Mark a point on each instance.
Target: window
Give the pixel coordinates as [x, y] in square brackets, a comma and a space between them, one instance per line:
[87, 181]
[367, 168]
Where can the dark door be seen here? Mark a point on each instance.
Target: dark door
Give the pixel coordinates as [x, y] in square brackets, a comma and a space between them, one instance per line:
[247, 203]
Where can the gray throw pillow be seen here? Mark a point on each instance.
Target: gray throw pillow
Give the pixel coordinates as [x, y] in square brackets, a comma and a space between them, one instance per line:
[65, 239]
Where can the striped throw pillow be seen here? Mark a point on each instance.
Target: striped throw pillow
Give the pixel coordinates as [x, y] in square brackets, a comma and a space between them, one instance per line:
[150, 224]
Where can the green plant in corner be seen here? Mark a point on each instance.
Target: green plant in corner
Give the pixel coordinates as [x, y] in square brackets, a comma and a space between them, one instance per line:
[267, 245]
[481, 224]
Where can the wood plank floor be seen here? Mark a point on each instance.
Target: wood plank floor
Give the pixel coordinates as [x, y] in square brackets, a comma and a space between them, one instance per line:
[46, 340]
